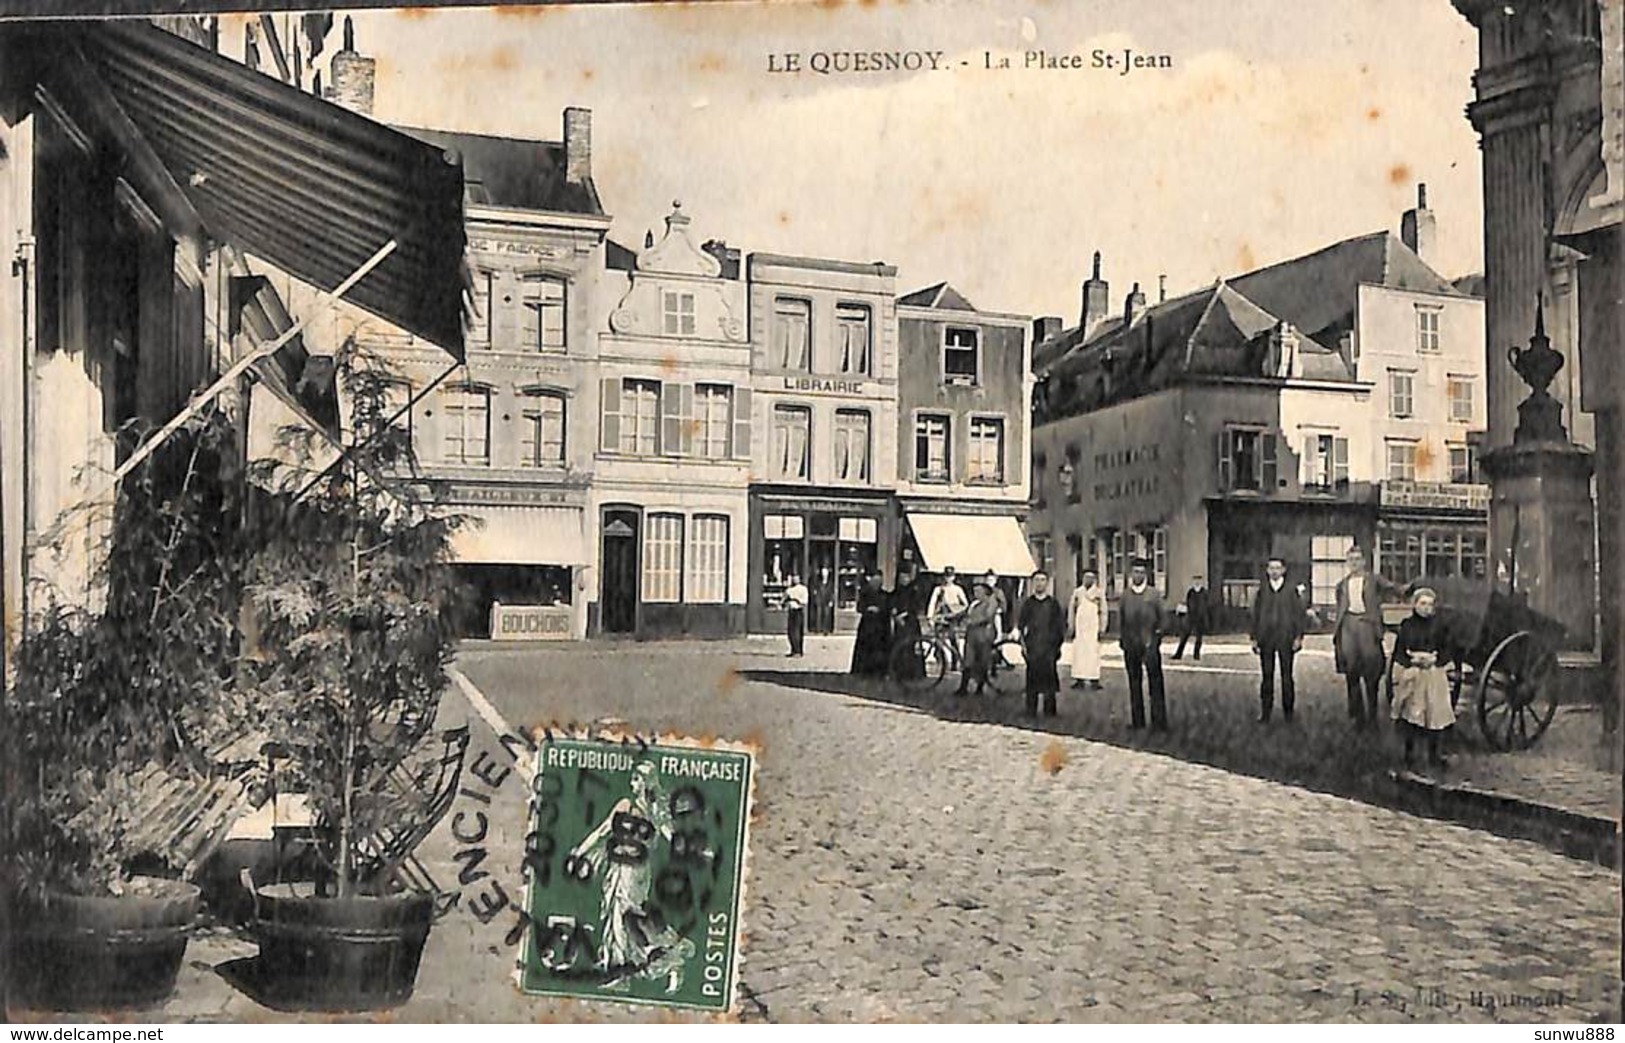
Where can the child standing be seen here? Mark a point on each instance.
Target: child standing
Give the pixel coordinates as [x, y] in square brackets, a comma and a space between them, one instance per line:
[1421, 689]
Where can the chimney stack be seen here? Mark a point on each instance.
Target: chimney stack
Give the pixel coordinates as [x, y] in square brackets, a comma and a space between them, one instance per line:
[1096, 303]
[1045, 328]
[1418, 229]
[1133, 307]
[1162, 288]
[352, 76]
[577, 145]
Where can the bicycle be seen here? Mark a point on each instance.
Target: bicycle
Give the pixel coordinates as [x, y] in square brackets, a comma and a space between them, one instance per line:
[922, 662]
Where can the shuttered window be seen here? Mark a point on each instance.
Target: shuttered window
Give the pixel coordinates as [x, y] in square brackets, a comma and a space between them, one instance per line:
[663, 558]
[708, 560]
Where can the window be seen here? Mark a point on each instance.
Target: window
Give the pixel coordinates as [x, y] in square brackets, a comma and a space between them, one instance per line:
[1402, 461]
[1427, 330]
[543, 301]
[479, 325]
[986, 463]
[1463, 464]
[541, 441]
[784, 552]
[1401, 394]
[1043, 551]
[792, 332]
[708, 560]
[466, 423]
[713, 420]
[851, 445]
[663, 558]
[1461, 399]
[859, 544]
[792, 436]
[855, 343]
[959, 362]
[1117, 564]
[1399, 554]
[1247, 461]
[640, 417]
[1039, 463]
[1159, 558]
[677, 308]
[1328, 557]
[1325, 461]
[931, 448]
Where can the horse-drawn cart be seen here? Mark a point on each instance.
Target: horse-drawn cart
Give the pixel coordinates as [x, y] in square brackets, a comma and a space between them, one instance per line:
[1498, 649]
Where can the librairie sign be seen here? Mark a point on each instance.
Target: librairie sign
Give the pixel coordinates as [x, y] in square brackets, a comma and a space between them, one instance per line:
[530, 622]
[1448, 495]
[825, 386]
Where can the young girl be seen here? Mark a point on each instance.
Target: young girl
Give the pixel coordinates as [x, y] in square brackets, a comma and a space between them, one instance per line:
[1421, 689]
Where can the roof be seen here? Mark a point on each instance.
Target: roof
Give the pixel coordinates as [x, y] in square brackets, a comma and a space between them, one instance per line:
[940, 295]
[514, 172]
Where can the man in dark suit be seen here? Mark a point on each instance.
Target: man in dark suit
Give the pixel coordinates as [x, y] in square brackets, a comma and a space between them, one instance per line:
[1142, 618]
[1279, 620]
[1198, 607]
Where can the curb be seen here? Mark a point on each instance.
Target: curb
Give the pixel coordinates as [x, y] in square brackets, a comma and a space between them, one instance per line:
[1591, 838]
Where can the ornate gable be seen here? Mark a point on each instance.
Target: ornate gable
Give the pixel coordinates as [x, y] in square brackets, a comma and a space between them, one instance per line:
[677, 291]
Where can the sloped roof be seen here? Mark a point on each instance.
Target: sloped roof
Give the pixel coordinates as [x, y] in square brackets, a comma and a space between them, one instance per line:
[514, 172]
[940, 295]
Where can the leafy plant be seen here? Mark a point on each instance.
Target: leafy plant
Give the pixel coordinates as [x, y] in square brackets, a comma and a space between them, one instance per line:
[352, 596]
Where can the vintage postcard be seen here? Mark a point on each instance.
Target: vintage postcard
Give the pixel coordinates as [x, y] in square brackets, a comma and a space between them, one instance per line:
[993, 511]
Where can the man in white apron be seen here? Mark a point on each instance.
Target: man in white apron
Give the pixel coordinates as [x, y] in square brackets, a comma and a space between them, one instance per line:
[1088, 616]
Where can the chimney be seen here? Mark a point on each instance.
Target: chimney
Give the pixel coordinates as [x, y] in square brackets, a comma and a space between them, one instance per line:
[1283, 360]
[1045, 328]
[577, 145]
[1418, 228]
[351, 76]
[1162, 288]
[1095, 301]
[1133, 307]
[727, 256]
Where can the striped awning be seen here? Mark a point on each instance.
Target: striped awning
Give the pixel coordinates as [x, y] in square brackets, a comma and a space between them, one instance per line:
[305, 185]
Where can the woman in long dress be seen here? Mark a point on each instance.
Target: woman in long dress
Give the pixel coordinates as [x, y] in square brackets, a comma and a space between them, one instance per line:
[1421, 689]
[1088, 617]
[872, 648]
[982, 625]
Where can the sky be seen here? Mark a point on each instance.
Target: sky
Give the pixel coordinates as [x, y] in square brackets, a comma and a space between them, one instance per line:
[1283, 126]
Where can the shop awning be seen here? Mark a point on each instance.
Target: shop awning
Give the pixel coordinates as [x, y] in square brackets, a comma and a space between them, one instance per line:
[520, 536]
[305, 185]
[971, 543]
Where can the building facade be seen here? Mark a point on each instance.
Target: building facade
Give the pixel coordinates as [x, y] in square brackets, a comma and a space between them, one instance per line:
[964, 403]
[675, 443]
[824, 412]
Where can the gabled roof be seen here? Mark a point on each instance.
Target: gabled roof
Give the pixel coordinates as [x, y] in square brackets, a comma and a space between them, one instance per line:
[940, 295]
[514, 172]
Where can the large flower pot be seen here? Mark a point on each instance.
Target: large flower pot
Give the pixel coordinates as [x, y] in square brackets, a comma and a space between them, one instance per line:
[332, 954]
[70, 952]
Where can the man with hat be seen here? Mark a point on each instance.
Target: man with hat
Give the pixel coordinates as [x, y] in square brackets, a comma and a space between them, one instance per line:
[1142, 619]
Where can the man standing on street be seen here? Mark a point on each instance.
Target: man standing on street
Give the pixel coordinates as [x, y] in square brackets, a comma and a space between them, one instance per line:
[1357, 640]
[1142, 617]
[1279, 619]
[948, 601]
[1197, 609]
[795, 613]
[1043, 630]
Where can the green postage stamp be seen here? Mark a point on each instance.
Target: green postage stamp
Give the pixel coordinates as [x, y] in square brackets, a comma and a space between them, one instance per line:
[637, 855]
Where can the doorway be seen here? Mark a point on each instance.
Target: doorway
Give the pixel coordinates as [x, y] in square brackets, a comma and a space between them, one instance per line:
[618, 598]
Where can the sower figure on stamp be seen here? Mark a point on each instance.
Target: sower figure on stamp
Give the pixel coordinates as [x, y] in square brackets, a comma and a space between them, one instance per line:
[1197, 614]
[1279, 621]
[795, 613]
[1142, 619]
[1043, 631]
[1357, 641]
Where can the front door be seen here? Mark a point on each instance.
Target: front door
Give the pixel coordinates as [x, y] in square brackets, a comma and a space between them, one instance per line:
[619, 597]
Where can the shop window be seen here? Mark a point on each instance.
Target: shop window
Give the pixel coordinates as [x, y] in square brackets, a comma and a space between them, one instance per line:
[853, 330]
[859, 543]
[465, 424]
[1327, 565]
[931, 457]
[783, 555]
[960, 348]
[541, 439]
[851, 445]
[1159, 558]
[1402, 461]
[677, 309]
[986, 463]
[1325, 461]
[1475, 555]
[1401, 394]
[544, 328]
[1427, 330]
[640, 417]
[1117, 564]
[792, 437]
[663, 558]
[1441, 554]
[1399, 553]
[708, 560]
[1247, 460]
[792, 332]
[1461, 399]
[713, 420]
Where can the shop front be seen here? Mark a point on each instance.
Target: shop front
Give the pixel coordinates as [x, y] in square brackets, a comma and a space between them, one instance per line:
[832, 542]
[1311, 535]
[1433, 530]
[519, 564]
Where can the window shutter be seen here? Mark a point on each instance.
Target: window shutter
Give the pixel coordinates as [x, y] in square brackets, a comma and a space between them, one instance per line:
[741, 423]
[609, 427]
[1311, 461]
[1226, 479]
[1340, 461]
[687, 419]
[671, 419]
[1268, 471]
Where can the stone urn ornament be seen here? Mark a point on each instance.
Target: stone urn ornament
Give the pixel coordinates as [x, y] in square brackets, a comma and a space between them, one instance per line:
[1540, 416]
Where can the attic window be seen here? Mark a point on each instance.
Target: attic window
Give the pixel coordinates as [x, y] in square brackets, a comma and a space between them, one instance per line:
[959, 351]
[678, 310]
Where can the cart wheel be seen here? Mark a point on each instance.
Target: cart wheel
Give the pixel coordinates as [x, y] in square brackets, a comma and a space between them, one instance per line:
[1517, 692]
[919, 664]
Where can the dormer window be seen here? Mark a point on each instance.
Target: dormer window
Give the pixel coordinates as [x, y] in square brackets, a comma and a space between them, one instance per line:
[678, 310]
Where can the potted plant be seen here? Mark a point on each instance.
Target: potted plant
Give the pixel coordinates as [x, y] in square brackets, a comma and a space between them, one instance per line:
[115, 689]
[352, 598]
